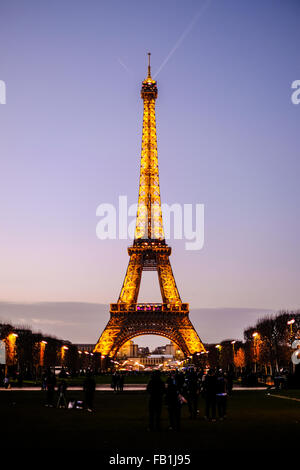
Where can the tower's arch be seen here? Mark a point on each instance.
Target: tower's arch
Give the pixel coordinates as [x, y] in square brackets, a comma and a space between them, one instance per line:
[133, 335]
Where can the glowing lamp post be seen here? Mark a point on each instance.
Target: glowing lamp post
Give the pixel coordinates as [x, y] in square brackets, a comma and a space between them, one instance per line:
[219, 348]
[255, 346]
[10, 342]
[63, 350]
[290, 323]
[42, 352]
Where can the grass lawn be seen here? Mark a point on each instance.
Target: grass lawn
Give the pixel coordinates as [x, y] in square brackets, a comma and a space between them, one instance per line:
[100, 379]
[255, 421]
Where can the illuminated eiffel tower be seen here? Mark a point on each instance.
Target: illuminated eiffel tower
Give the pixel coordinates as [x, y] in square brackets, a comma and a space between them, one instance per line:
[149, 252]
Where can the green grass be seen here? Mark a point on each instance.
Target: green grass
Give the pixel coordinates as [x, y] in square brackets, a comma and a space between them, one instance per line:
[100, 379]
[255, 421]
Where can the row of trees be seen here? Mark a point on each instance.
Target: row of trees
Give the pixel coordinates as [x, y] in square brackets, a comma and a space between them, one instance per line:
[267, 347]
[29, 353]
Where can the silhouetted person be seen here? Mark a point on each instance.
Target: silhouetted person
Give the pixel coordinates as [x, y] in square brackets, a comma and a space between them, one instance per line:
[121, 382]
[44, 381]
[20, 379]
[118, 380]
[173, 403]
[115, 382]
[210, 390]
[6, 382]
[89, 386]
[61, 390]
[222, 390]
[179, 378]
[192, 390]
[156, 390]
[51, 382]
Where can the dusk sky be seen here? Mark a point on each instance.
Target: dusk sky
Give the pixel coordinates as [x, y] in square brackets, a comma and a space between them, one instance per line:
[228, 138]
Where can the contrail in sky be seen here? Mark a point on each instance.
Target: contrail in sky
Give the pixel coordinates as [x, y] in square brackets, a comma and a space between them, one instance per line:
[184, 34]
[124, 66]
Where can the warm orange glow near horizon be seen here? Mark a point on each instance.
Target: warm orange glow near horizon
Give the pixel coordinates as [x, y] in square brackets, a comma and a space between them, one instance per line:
[10, 342]
[42, 352]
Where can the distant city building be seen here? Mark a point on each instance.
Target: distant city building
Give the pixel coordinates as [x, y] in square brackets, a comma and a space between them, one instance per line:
[129, 349]
[85, 347]
[171, 349]
[159, 350]
[155, 359]
[143, 351]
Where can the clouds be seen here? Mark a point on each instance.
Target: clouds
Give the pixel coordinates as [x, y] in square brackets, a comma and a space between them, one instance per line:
[83, 322]
[73, 321]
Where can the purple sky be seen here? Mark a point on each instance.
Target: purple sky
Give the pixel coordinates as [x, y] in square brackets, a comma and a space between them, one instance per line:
[228, 137]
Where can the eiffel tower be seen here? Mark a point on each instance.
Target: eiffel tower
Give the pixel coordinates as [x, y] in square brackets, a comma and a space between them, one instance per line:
[149, 252]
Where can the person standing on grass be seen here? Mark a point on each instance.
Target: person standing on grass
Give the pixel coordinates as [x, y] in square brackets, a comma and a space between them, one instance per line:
[156, 390]
[44, 382]
[173, 403]
[192, 390]
[121, 382]
[61, 390]
[6, 382]
[210, 390]
[114, 381]
[89, 386]
[51, 382]
[222, 390]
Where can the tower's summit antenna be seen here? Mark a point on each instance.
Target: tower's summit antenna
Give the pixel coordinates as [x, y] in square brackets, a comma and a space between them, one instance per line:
[149, 67]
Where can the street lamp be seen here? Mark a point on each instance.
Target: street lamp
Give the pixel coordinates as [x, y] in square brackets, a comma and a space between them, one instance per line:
[291, 322]
[42, 352]
[255, 337]
[219, 347]
[10, 342]
[63, 350]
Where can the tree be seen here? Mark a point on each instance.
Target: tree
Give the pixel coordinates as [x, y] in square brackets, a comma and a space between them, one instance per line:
[239, 358]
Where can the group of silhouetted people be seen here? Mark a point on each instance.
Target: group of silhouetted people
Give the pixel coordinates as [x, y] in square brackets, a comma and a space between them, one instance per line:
[215, 390]
[49, 383]
[186, 388]
[117, 382]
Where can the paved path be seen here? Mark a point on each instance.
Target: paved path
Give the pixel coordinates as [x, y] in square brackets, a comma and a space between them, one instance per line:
[107, 388]
[283, 397]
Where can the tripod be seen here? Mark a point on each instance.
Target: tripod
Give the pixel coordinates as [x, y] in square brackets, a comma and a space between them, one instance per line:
[61, 402]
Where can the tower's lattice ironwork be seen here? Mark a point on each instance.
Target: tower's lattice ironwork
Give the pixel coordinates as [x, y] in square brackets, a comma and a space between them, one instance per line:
[149, 251]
